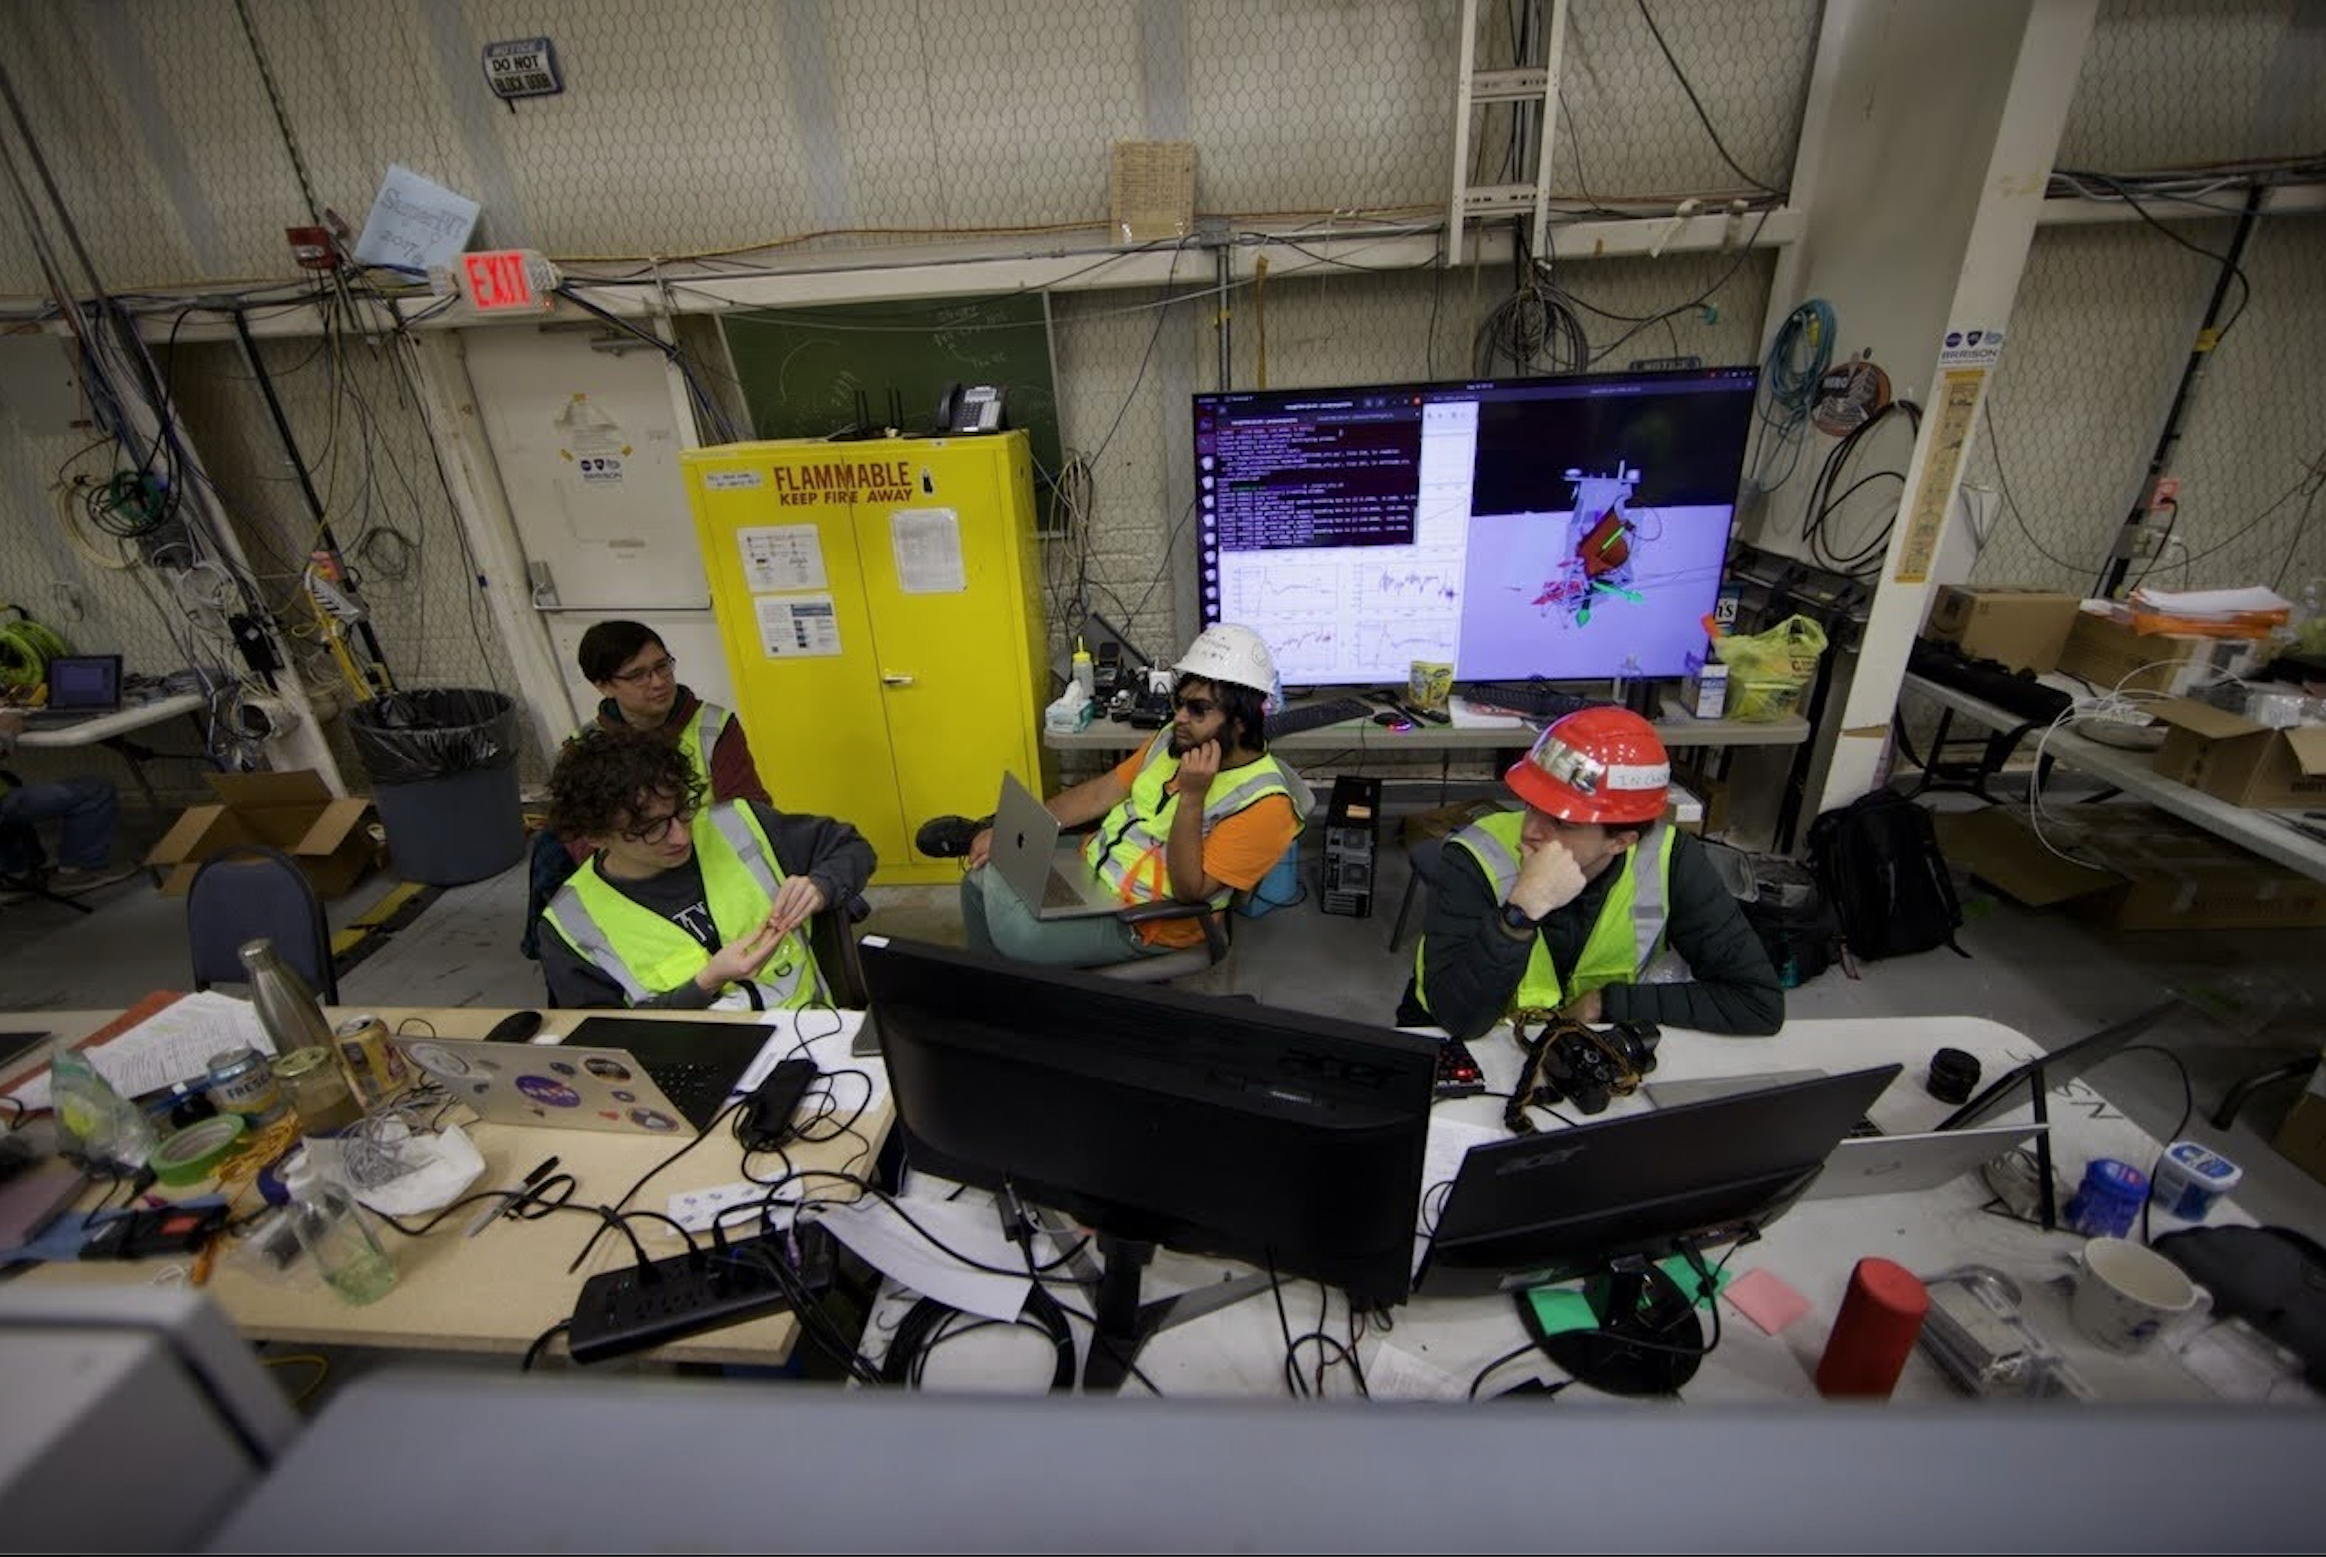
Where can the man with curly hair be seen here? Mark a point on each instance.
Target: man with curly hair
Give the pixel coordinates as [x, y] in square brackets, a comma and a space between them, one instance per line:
[683, 905]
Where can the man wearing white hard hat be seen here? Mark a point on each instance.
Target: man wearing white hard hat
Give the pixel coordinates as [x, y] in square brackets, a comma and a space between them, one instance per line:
[1200, 813]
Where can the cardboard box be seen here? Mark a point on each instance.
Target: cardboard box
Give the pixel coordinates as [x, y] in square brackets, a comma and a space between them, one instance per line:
[2238, 759]
[2160, 873]
[1704, 691]
[2301, 1140]
[330, 838]
[2110, 655]
[2023, 628]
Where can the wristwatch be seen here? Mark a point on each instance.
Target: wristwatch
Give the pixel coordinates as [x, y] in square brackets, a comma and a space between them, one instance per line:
[1518, 918]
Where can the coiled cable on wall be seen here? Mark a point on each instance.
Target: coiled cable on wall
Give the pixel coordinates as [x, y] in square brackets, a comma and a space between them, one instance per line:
[1796, 364]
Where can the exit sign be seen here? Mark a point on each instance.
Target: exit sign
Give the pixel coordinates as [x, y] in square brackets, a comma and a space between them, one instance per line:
[508, 281]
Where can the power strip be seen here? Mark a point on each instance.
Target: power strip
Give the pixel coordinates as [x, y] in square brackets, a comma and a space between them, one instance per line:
[639, 1307]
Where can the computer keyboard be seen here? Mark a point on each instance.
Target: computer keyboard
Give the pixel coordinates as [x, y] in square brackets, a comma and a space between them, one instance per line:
[1458, 1072]
[1315, 716]
[1538, 698]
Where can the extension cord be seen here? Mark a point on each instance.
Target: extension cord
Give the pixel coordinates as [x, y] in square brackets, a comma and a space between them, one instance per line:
[634, 1309]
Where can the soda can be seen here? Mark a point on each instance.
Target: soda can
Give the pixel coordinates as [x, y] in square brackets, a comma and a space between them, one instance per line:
[375, 1069]
[241, 1082]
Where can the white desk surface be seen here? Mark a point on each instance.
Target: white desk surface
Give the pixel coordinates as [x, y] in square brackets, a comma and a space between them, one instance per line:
[498, 1291]
[2135, 773]
[103, 727]
[1239, 1350]
[1366, 737]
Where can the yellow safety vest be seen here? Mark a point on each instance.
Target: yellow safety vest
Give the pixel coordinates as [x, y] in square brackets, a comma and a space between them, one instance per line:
[698, 737]
[1623, 940]
[647, 954]
[1127, 851]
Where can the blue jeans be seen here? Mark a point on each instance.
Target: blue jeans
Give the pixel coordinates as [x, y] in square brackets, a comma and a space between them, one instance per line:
[999, 924]
[85, 805]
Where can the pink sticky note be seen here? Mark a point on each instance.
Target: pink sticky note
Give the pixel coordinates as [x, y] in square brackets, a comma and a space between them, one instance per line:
[1766, 1300]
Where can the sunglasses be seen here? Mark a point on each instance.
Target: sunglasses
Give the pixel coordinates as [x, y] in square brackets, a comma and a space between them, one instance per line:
[1199, 707]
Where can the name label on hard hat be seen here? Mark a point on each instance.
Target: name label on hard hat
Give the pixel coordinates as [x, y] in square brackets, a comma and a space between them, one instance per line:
[1633, 775]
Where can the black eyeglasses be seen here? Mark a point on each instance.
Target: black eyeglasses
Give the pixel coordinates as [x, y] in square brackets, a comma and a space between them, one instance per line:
[661, 667]
[1200, 707]
[659, 828]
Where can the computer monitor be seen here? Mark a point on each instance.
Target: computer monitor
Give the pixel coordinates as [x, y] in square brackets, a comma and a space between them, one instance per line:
[1602, 1200]
[1563, 528]
[1155, 1116]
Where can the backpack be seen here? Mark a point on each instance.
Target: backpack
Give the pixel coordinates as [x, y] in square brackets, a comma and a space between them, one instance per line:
[1793, 919]
[1878, 860]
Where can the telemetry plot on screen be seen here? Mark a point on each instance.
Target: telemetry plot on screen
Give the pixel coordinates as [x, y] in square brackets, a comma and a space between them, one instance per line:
[1566, 528]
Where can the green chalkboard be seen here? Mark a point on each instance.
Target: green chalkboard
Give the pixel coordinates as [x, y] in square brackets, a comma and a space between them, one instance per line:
[802, 368]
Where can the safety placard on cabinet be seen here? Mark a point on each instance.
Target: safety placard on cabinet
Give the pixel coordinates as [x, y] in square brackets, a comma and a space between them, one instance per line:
[797, 626]
[781, 556]
[927, 544]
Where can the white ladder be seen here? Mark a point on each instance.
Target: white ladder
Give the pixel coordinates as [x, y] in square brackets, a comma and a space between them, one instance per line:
[1537, 84]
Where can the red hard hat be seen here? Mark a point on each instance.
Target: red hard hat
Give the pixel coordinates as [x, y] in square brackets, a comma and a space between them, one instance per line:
[1600, 765]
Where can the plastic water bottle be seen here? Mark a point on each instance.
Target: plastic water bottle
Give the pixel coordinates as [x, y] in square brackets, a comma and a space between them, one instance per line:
[331, 1228]
[289, 1011]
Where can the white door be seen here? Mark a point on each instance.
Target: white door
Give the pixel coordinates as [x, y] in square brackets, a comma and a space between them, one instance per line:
[587, 440]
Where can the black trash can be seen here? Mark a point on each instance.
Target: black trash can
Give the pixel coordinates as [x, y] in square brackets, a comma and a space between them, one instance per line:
[443, 763]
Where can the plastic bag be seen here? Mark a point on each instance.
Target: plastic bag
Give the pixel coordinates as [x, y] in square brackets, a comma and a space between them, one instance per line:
[1768, 670]
[409, 737]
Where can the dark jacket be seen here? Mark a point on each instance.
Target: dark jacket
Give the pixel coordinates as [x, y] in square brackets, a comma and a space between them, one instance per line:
[1473, 961]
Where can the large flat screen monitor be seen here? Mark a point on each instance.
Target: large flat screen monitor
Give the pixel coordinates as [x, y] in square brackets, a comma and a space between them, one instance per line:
[1602, 1200]
[1565, 528]
[1156, 1116]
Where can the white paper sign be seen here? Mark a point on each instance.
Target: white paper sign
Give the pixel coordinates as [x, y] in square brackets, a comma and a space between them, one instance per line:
[1972, 348]
[797, 626]
[927, 543]
[781, 556]
[415, 223]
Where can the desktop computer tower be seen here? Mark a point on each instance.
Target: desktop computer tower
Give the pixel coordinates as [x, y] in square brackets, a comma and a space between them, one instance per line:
[1351, 826]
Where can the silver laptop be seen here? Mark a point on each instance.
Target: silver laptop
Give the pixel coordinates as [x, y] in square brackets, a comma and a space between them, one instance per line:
[1900, 1164]
[1700, 1089]
[557, 1085]
[1026, 855]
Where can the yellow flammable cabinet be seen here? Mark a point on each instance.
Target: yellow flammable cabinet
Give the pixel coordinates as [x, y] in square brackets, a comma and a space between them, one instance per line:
[880, 603]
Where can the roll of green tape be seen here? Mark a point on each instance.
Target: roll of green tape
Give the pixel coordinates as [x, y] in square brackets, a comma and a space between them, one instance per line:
[190, 1155]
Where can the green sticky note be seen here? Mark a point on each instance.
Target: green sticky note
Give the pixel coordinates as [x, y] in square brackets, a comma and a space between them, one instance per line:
[1560, 1309]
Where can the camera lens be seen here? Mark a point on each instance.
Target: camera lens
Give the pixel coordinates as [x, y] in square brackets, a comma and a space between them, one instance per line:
[1953, 1074]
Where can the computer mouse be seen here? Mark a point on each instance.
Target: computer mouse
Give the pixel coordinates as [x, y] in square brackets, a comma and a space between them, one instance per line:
[1392, 721]
[516, 1027]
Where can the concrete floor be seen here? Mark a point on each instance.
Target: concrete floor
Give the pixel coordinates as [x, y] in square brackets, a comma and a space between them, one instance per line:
[2048, 975]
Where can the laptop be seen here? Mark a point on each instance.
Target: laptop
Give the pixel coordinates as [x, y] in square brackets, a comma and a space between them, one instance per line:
[1026, 855]
[1901, 1164]
[80, 686]
[35, 1184]
[1700, 1089]
[606, 1075]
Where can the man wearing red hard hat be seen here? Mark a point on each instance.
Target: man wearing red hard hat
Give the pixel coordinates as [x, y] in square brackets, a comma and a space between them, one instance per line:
[1564, 906]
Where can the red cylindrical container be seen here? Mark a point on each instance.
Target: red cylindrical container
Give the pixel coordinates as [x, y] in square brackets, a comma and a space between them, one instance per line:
[1880, 1316]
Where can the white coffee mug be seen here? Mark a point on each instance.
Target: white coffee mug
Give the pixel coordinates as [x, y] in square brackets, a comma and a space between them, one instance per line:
[2127, 1294]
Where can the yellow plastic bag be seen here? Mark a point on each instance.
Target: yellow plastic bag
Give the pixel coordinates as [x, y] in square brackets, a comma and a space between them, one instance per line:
[1768, 670]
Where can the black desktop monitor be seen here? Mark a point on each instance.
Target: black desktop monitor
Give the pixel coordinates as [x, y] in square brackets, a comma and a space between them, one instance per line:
[1602, 1200]
[1155, 1116]
[1564, 528]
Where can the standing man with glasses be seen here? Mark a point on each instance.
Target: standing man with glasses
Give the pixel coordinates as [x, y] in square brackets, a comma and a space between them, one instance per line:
[683, 905]
[1200, 813]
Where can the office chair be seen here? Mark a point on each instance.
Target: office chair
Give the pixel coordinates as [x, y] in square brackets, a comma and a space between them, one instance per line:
[1218, 941]
[250, 891]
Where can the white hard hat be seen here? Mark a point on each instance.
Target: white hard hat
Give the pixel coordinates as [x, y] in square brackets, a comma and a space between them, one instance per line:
[1226, 652]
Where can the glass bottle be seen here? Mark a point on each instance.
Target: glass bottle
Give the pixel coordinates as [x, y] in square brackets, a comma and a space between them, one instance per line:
[287, 1008]
[332, 1229]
